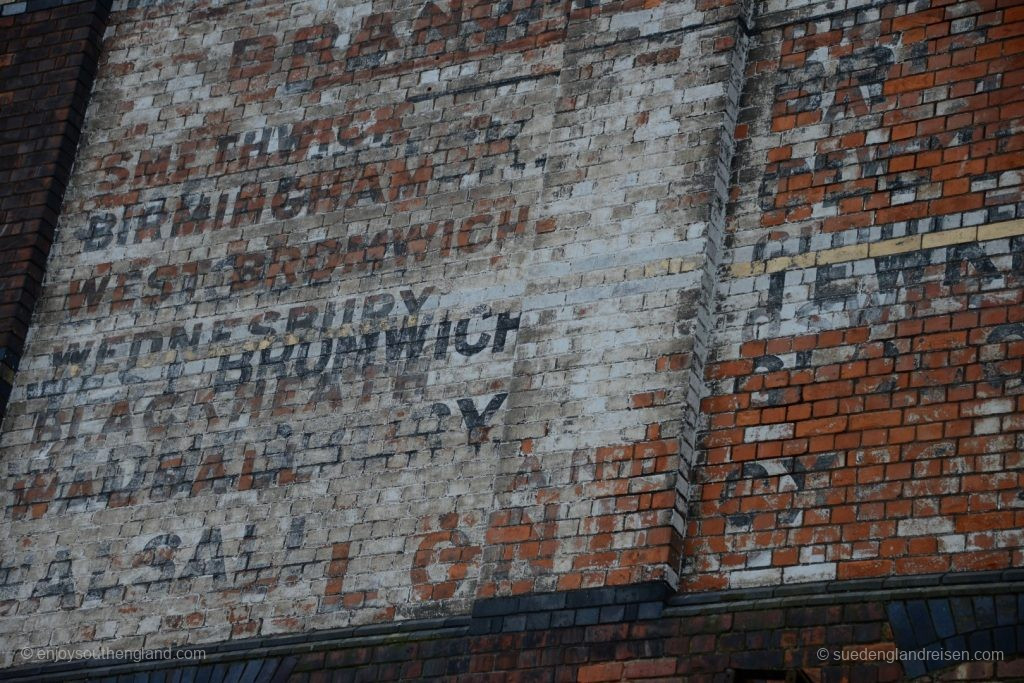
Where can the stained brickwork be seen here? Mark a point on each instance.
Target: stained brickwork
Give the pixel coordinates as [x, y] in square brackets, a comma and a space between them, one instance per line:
[500, 322]
[351, 325]
[865, 408]
[843, 467]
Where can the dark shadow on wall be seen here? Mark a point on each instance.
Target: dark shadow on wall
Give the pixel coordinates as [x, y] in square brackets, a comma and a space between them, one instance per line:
[49, 50]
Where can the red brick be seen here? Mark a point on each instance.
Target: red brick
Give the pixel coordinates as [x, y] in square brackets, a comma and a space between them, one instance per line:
[830, 425]
[605, 671]
[888, 418]
[918, 82]
[650, 668]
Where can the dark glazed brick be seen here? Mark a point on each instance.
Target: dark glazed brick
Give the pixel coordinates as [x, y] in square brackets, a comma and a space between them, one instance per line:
[516, 622]
[935, 650]
[562, 618]
[642, 592]
[591, 597]
[284, 669]
[251, 670]
[917, 612]
[963, 615]
[984, 611]
[1004, 639]
[955, 644]
[903, 631]
[650, 610]
[1006, 610]
[942, 618]
[493, 607]
[538, 620]
[908, 581]
[541, 602]
[980, 641]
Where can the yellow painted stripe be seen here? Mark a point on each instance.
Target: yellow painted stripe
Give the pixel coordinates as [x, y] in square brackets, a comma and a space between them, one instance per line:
[896, 245]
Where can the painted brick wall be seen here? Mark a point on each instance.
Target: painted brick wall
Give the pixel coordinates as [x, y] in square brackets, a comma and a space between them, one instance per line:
[361, 313]
[864, 416]
[365, 313]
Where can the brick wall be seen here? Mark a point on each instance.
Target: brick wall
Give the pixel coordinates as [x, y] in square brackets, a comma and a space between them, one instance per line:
[48, 54]
[394, 318]
[864, 416]
[365, 314]
[820, 634]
